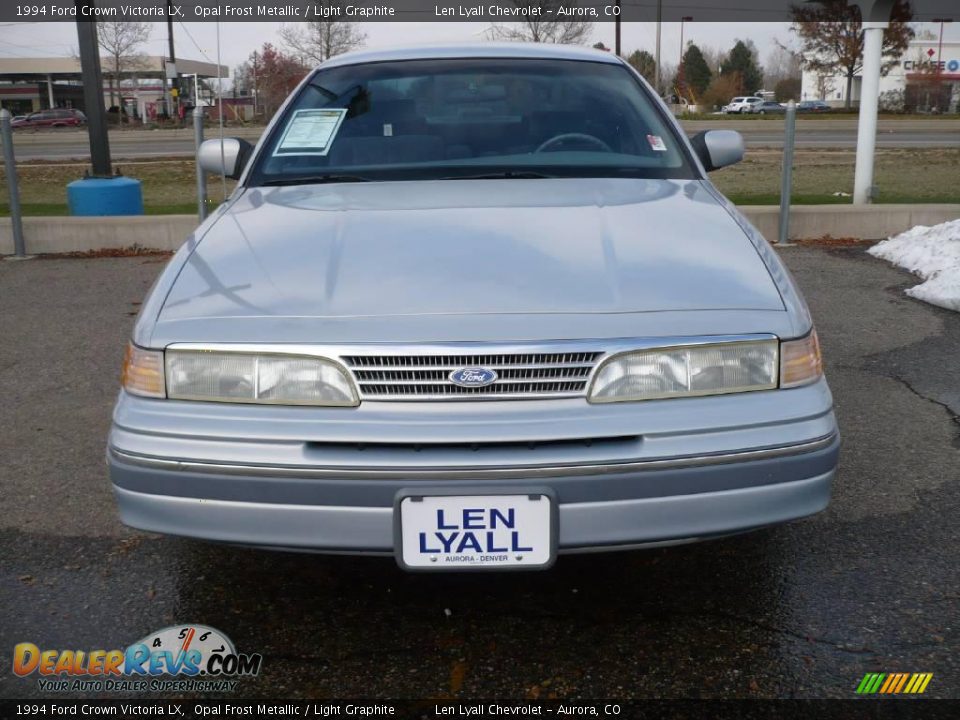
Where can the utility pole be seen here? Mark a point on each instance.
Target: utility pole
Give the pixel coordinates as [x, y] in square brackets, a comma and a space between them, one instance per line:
[93, 92]
[171, 58]
[657, 59]
[256, 94]
[616, 44]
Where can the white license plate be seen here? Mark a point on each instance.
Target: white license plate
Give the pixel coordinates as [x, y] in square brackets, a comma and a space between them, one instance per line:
[476, 531]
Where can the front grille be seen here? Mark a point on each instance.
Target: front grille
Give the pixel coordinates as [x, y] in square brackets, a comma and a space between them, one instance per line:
[426, 377]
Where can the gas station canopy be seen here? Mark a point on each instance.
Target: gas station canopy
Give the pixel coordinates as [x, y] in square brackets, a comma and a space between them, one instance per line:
[67, 68]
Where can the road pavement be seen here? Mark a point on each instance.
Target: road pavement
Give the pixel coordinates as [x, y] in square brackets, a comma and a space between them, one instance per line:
[70, 144]
[804, 610]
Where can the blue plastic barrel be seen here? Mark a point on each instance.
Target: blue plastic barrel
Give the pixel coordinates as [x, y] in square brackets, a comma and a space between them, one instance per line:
[105, 196]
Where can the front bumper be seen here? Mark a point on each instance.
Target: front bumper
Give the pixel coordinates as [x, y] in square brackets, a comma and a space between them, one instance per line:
[582, 526]
[290, 478]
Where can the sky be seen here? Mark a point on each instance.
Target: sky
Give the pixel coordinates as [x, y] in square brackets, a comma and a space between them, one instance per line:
[239, 39]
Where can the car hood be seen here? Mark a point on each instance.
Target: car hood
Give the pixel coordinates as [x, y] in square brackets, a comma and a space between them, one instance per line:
[398, 260]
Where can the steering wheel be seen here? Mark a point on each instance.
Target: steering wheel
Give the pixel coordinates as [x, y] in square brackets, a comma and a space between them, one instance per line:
[582, 137]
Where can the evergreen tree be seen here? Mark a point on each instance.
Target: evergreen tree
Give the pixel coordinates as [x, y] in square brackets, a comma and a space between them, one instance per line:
[742, 64]
[696, 72]
[643, 63]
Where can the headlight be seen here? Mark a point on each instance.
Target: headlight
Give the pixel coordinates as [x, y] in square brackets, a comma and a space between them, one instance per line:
[687, 371]
[800, 361]
[143, 372]
[241, 377]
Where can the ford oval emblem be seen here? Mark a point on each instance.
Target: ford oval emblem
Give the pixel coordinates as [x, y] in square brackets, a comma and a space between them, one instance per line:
[473, 377]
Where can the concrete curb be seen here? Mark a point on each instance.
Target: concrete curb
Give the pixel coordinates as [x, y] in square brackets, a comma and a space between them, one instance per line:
[168, 232]
[79, 234]
[859, 222]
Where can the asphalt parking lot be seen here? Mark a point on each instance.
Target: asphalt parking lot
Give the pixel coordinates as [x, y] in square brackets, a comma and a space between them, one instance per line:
[870, 585]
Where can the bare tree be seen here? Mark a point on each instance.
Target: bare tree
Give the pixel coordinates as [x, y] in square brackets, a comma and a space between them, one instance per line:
[824, 83]
[269, 75]
[832, 35]
[319, 40]
[120, 41]
[668, 74]
[534, 29]
[715, 58]
[783, 63]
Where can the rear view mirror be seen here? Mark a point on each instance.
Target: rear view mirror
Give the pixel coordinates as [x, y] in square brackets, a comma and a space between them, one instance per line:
[229, 161]
[718, 148]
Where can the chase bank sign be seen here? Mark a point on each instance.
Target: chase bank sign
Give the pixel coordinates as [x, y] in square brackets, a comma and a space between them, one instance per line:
[951, 65]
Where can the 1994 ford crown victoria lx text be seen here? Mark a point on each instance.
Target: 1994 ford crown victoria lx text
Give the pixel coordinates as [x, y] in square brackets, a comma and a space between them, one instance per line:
[472, 306]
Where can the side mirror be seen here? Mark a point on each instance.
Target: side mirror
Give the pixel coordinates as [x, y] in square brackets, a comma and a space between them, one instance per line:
[229, 161]
[718, 148]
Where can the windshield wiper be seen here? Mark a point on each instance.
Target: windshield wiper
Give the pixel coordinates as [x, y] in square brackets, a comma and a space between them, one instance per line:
[505, 174]
[317, 180]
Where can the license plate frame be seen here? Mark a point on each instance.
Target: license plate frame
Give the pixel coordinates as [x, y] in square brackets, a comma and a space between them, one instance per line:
[544, 494]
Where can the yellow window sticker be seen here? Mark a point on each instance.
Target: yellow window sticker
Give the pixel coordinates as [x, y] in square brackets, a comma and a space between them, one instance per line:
[310, 132]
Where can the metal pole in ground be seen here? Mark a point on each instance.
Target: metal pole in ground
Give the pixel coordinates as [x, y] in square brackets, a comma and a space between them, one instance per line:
[786, 180]
[10, 167]
[92, 78]
[863, 190]
[201, 176]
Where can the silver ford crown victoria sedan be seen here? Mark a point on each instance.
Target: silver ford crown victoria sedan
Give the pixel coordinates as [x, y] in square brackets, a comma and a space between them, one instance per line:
[472, 306]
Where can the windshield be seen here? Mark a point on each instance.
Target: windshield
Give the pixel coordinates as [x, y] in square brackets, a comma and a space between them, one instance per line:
[483, 117]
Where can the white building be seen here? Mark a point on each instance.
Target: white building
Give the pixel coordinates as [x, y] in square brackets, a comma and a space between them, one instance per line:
[921, 69]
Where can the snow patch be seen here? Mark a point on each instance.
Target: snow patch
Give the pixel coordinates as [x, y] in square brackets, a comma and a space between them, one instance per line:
[933, 253]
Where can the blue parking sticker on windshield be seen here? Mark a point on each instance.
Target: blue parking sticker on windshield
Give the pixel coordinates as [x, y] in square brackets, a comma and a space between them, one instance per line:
[310, 132]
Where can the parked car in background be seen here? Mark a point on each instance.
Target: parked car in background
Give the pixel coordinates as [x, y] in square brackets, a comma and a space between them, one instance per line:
[768, 106]
[57, 117]
[813, 106]
[472, 306]
[743, 104]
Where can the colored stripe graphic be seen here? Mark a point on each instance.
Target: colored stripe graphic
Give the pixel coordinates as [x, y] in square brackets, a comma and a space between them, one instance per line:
[891, 681]
[914, 683]
[901, 682]
[894, 683]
